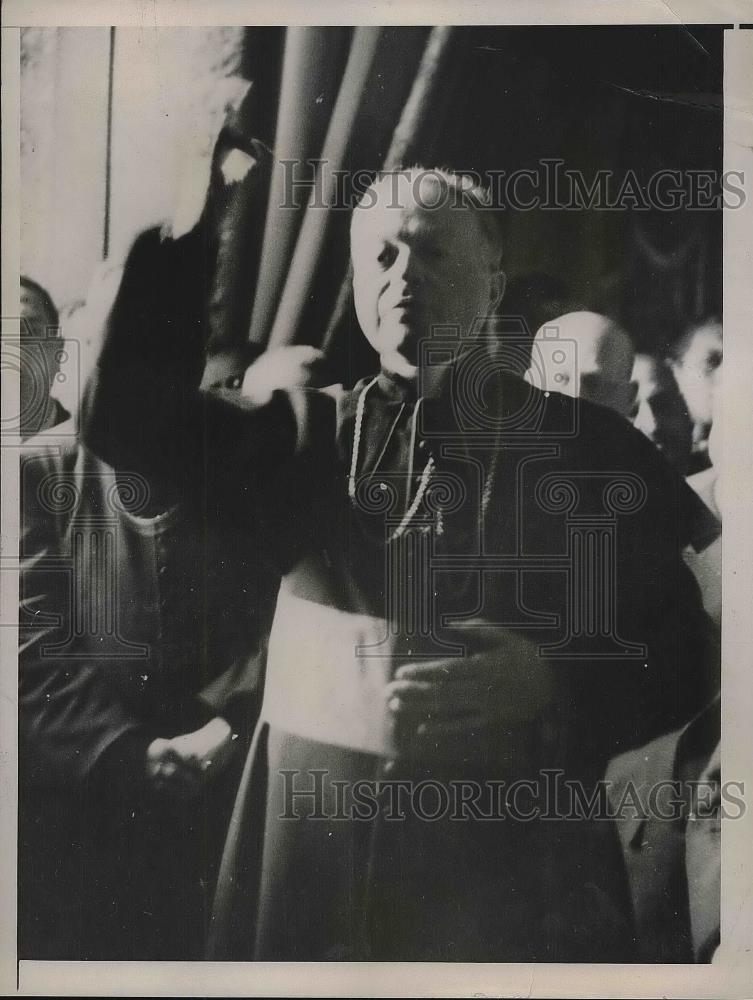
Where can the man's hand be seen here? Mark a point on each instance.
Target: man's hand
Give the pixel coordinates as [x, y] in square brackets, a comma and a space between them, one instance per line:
[282, 368]
[502, 684]
[168, 773]
[183, 764]
[208, 749]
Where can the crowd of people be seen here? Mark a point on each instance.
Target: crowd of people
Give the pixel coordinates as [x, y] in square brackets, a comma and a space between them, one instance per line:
[253, 611]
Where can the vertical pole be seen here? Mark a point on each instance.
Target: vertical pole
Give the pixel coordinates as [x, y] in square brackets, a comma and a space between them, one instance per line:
[108, 147]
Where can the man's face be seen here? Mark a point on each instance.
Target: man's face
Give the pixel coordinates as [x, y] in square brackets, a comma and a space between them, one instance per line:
[40, 348]
[660, 414]
[416, 267]
[697, 370]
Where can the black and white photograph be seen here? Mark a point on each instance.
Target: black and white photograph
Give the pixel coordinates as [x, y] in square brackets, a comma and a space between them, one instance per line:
[365, 617]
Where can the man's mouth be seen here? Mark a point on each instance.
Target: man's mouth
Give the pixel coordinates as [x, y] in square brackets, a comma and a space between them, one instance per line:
[407, 305]
[402, 315]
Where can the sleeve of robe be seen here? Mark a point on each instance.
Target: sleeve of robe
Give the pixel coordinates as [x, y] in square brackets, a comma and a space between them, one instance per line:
[144, 411]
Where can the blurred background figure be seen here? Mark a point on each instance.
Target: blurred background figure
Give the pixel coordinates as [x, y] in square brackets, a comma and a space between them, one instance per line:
[41, 350]
[673, 865]
[706, 566]
[673, 868]
[696, 360]
[660, 411]
[586, 355]
[141, 647]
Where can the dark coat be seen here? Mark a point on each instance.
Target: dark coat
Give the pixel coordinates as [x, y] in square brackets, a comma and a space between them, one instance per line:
[133, 625]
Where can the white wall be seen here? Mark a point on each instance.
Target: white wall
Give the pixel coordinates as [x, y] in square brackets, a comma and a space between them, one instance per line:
[170, 90]
[63, 148]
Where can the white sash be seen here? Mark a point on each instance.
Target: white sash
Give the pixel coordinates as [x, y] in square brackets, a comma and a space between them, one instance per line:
[318, 686]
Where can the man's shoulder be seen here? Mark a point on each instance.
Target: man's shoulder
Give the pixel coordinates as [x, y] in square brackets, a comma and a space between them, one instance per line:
[556, 412]
[645, 765]
[591, 438]
[57, 445]
[599, 435]
[608, 434]
[56, 455]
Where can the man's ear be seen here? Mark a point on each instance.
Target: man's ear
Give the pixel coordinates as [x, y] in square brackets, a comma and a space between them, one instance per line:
[497, 290]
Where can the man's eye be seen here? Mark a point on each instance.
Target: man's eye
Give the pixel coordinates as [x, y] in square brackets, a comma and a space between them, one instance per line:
[387, 256]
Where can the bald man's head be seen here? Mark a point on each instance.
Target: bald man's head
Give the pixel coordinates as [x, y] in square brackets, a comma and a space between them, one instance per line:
[586, 355]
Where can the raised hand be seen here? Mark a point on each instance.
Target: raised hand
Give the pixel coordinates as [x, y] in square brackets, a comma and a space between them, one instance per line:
[282, 368]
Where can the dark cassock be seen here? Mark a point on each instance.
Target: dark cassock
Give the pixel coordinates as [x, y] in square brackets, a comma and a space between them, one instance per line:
[481, 518]
[570, 541]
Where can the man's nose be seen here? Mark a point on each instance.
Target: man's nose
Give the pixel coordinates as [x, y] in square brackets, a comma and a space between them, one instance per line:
[405, 268]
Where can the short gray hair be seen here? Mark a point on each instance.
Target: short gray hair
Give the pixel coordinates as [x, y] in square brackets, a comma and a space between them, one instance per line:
[467, 191]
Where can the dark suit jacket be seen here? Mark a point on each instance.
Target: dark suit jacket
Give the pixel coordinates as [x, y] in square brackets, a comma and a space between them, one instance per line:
[660, 873]
[125, 617]
[132, 625]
